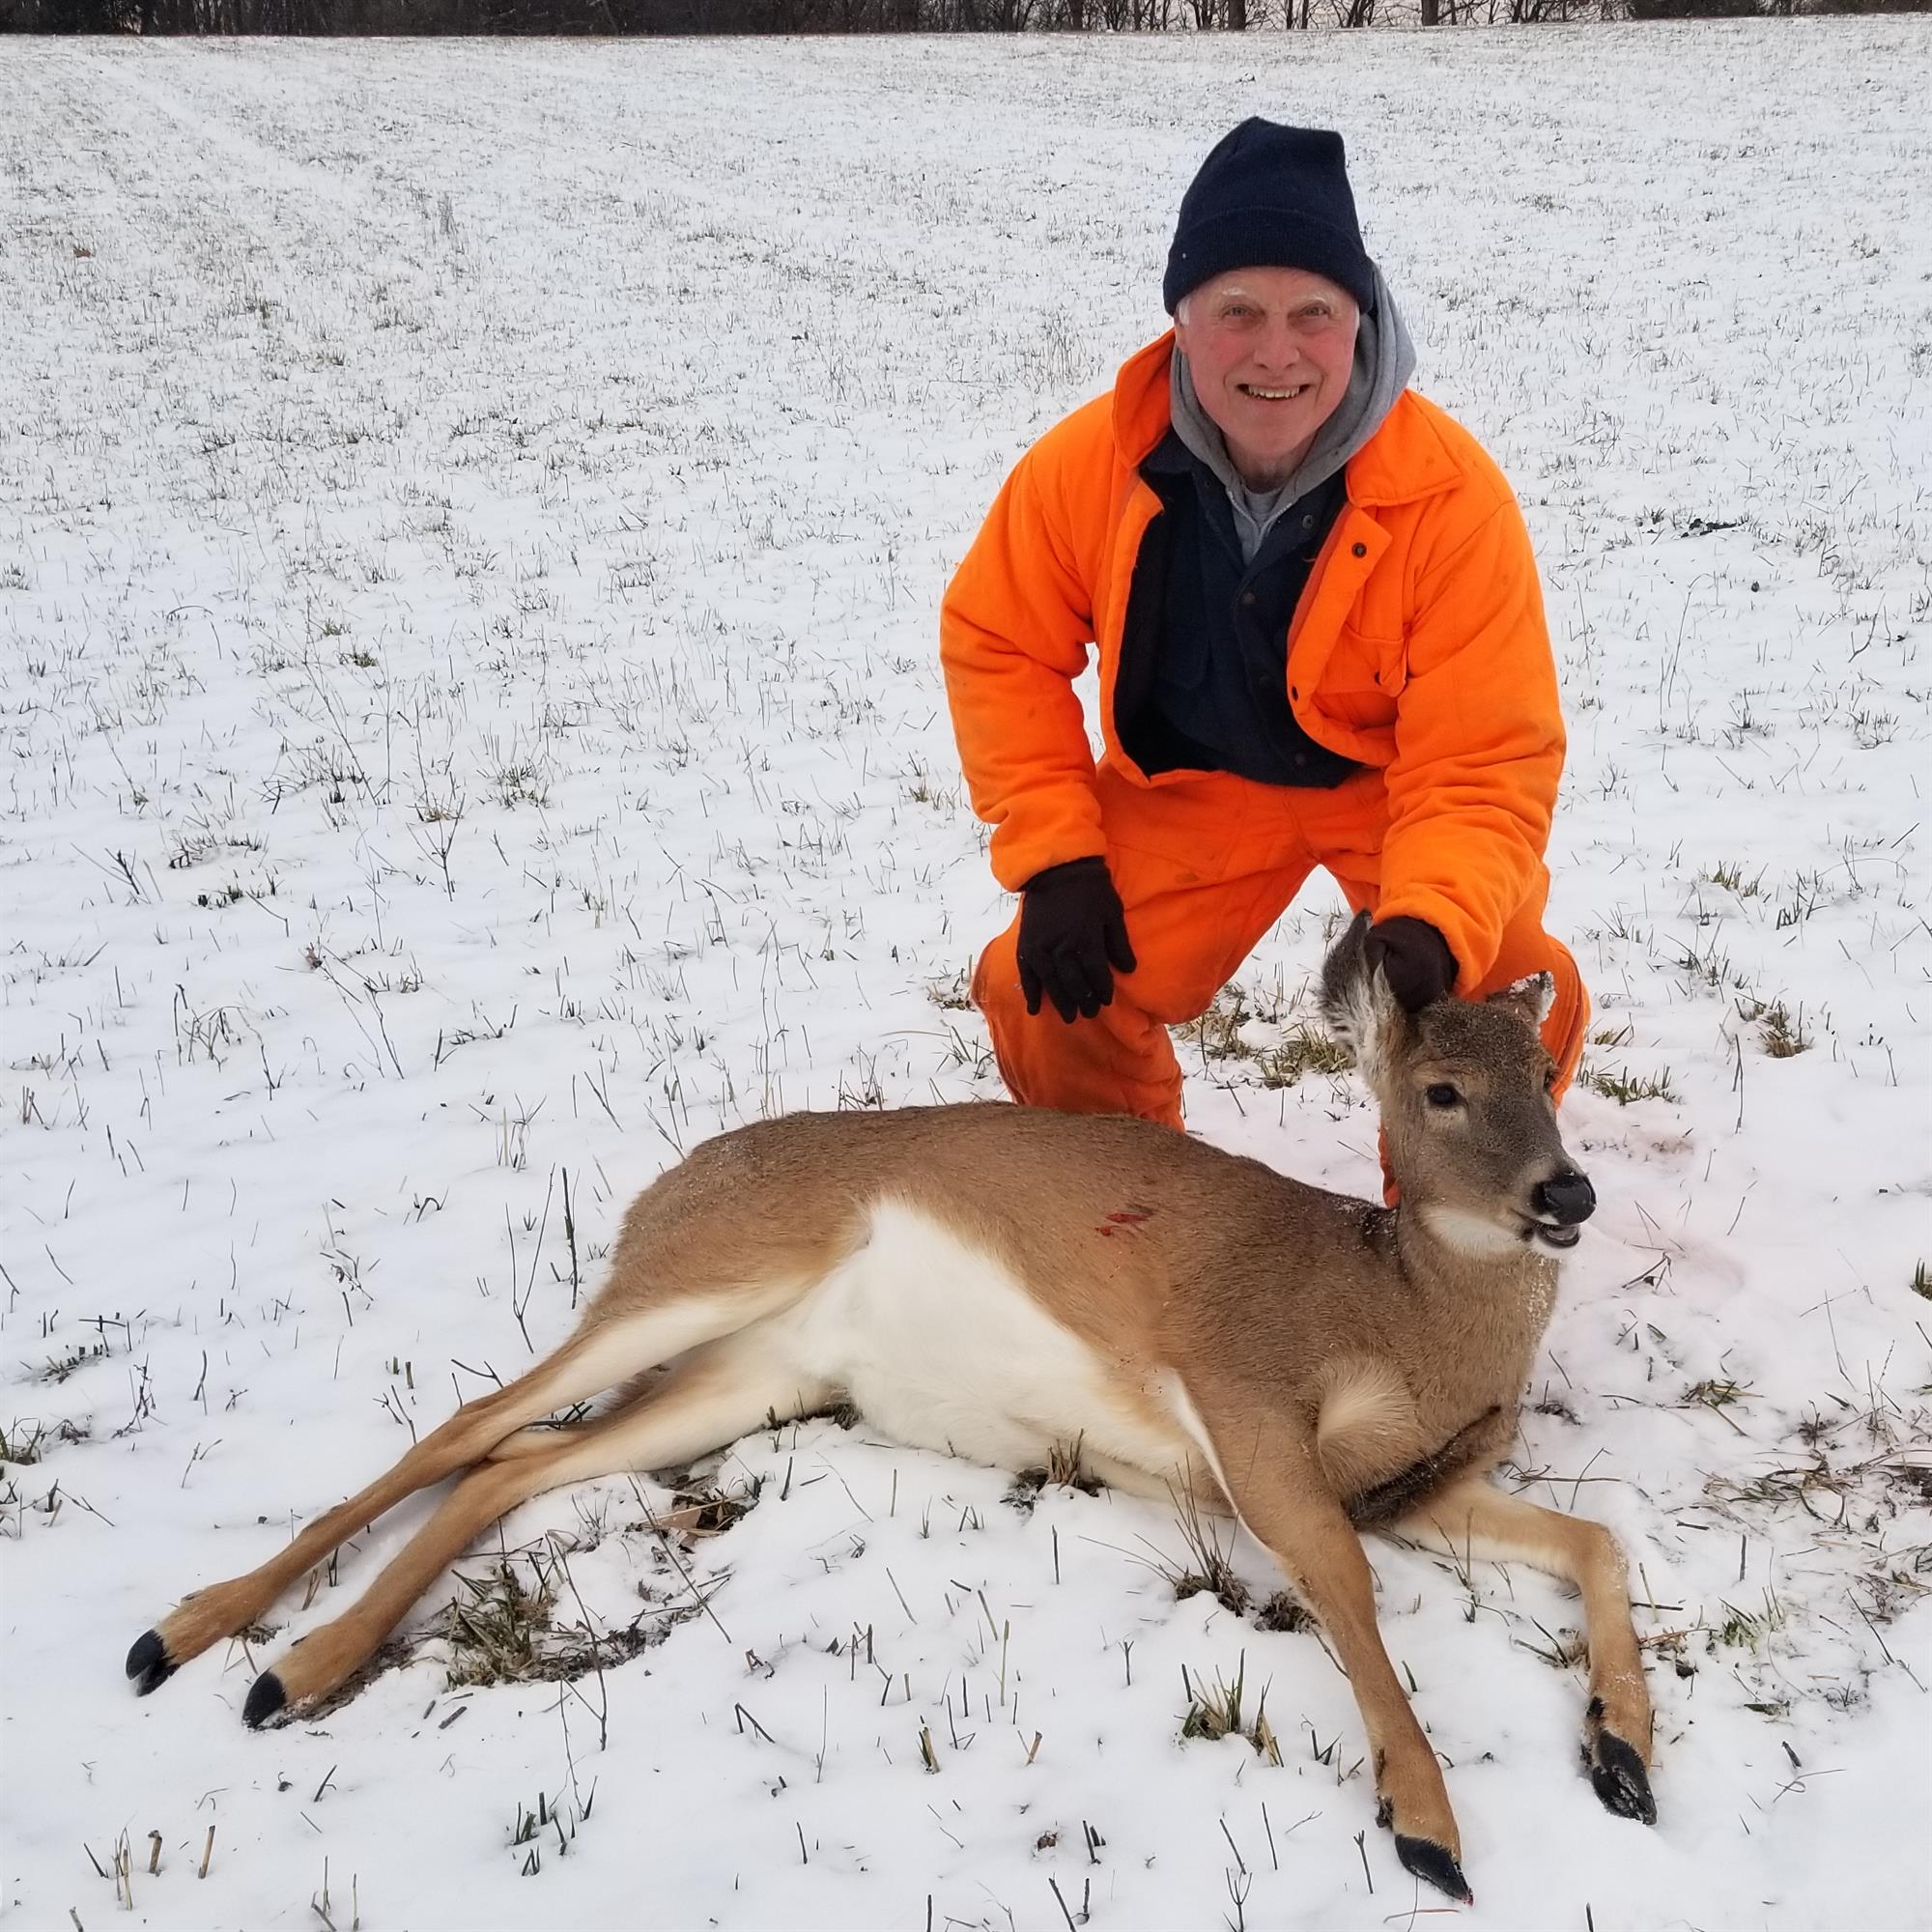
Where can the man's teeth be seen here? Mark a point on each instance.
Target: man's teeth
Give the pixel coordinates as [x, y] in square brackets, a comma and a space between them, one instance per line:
[1271, 395]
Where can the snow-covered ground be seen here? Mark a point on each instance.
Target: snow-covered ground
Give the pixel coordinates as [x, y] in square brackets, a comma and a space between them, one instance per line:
[471, 518]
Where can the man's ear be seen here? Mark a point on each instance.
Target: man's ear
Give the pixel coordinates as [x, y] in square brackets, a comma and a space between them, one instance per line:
[1357, 1004]
[1532, 998]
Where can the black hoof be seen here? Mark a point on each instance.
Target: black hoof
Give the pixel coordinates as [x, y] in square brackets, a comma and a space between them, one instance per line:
[149, 1663]
[1428, 1860]
[265, 1698]
[1618, 1777]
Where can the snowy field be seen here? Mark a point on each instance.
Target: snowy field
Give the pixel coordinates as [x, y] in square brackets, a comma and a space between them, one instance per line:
[471, 523]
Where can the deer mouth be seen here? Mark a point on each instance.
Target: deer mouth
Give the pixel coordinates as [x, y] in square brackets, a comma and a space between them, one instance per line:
[1551, 1235]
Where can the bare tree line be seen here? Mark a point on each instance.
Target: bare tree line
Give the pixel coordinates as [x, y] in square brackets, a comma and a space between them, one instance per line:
[625, 18]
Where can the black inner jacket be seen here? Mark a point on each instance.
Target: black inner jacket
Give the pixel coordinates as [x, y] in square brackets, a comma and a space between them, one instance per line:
[1203, 677]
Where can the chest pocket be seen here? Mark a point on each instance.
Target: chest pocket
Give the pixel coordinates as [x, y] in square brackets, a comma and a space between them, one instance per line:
[1363, 679]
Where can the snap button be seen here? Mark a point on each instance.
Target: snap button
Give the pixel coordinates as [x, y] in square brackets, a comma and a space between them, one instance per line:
[1308, 523]
[1360, 550]
[1247, 599]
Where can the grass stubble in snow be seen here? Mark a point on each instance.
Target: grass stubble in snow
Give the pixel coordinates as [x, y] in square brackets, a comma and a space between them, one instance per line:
[471, 524]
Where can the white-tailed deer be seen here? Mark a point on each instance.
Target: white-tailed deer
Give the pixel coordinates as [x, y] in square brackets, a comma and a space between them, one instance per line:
[999, 1281]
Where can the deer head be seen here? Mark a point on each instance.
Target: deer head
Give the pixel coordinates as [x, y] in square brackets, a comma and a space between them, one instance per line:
[1466, 1091]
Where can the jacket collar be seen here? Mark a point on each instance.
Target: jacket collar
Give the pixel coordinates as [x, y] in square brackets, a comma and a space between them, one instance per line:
[1406, 459]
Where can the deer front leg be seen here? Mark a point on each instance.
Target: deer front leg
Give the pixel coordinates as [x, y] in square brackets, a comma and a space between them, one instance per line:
[1471, 1517]
[1283, 1498]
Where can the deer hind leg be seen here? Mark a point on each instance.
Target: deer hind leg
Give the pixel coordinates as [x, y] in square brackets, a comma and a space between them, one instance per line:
[719, 1393]
[1278, 1490]
[1471, 1517]
[601, 1353]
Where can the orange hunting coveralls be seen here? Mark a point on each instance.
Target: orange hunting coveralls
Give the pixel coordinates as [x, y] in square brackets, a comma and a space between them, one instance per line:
[1418, 648]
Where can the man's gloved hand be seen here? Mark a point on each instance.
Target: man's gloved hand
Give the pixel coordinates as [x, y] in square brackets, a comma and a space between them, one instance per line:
[1415, 960]
[1073, 938]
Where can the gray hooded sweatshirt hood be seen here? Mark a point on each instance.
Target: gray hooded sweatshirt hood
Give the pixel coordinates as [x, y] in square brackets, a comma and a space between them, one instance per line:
[1385, 362]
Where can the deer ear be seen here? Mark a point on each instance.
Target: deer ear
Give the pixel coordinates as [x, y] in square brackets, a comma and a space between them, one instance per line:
[1357, 1004]
[1532, 997]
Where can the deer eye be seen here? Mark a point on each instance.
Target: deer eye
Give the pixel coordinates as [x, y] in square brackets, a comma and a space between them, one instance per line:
[1443, 1095]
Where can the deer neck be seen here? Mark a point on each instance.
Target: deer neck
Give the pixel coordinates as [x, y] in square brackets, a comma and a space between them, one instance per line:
[1492, 1301]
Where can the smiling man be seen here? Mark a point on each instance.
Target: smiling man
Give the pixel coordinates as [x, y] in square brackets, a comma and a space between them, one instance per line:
[1322, 643]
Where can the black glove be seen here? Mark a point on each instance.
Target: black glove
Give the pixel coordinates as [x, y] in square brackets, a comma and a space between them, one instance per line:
[1415, 960]
[1072, 931]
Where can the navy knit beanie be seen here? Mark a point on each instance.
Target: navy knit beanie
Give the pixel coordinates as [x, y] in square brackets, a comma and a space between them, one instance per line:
[1269, 197]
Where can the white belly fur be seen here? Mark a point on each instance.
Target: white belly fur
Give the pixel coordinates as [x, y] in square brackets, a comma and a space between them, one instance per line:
[937, 1343]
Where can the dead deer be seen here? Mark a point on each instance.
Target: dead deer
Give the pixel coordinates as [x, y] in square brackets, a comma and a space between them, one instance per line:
[995, 1281]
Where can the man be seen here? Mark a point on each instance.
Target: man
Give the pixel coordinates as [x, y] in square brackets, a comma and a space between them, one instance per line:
[1322, 643]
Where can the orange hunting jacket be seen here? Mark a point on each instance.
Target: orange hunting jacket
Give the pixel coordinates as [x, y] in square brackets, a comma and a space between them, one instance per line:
[1418, 646]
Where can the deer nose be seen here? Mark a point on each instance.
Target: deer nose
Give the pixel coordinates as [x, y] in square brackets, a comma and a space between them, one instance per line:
[1566, 1198]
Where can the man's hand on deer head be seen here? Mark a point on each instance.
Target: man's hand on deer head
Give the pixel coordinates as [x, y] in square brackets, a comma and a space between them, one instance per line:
[1414, 959]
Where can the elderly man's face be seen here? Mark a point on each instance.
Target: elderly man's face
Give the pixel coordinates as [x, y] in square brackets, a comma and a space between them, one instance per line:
[1270, 350]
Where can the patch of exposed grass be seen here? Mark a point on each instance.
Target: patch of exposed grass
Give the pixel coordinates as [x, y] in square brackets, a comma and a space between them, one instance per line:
[1302, 1050]
[1063, 1470]
[503, 1629]
[530, 1832]
[1205, 1568]
[1562, 1650]
[1781, 1035]
[1220, 1033]
[1748, 1630]
[521, 784]
[1219, 1712]
[1622, 1085]
[60, 1367]
[1283, 1612]
[1217, 1032]
[1862, 1484]
[709, 1510]
[1731, 875]
[1714, 1394]
[954, 995]
[497, 1625]
[25, 1442]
